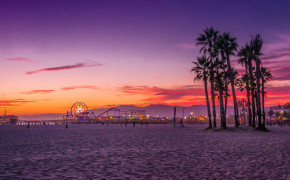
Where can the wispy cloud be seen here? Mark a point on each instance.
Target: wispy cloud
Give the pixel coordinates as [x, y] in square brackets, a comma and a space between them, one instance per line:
[19, 59]
[47, 91]
[38, 91]
[154, 94]
[14, 102]
[67, 67]
[79, 87]
[282, 42]
[276, 56]
[281, 73]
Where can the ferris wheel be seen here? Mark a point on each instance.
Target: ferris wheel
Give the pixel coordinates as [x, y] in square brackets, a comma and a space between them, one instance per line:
[78, 108]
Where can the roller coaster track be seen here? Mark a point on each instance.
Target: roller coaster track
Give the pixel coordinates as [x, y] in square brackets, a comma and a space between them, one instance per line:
[108, 111]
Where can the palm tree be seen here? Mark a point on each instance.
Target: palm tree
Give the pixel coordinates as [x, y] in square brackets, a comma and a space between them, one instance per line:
[257, 43]
[249, 50]
[201, 70]
[220, 49]
[265, 76]
[207, 41]
[229, 46]
[243, 54]
[220, 86]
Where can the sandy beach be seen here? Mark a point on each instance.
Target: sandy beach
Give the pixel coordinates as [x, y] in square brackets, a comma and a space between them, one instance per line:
[143, 152]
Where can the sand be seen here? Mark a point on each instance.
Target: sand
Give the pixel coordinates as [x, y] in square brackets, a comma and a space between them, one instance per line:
[143, 152]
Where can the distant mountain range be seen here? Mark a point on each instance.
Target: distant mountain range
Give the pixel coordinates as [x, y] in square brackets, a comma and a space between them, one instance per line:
[152, 110]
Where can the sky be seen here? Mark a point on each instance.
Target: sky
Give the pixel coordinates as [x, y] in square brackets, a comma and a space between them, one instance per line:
[54, 53]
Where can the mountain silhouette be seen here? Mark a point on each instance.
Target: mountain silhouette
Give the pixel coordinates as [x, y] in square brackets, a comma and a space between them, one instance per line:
[152, 110]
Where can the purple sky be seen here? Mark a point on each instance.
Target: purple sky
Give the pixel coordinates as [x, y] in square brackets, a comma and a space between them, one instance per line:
[146, 26]
[119, 44]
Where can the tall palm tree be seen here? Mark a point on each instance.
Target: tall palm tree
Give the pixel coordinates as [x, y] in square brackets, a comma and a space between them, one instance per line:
[207, 41]
[229, 46]
[257, 43]
[220, 50]
[201, 70]
[249, 50]
[243, 59]
[220, 86]
[265, 76]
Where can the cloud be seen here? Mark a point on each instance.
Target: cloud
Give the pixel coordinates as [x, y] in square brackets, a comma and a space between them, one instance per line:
[282, 50]
[279, 83]
[14, 102]
[281, 73]
[38, 91]
[192, 94]
[276, 56]
[67, 67]
[279, 68]
[79, 87]
[19, 59]
[276, 63]
[158, 95]
[161, 93]
[281, 43]
[47, 91]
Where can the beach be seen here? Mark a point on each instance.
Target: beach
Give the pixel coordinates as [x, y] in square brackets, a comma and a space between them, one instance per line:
[144, 152]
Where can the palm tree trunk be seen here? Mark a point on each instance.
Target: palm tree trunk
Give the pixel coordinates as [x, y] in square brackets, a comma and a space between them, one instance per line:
[238, 110]
[231, 74]
[256, 98]
[248, 97]
[225, 81]
[226, 98]
[222, 111]
[263, 102]
[258, 75]
[213, 96]
[249, 106]
[252, 92]
[207, 101]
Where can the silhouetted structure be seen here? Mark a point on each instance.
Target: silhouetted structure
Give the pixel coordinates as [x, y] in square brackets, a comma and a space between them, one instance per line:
[174, 117]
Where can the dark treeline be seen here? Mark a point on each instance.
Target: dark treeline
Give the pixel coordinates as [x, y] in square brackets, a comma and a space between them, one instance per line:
[214, 68]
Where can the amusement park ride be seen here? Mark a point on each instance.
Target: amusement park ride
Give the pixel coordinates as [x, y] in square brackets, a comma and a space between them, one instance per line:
[79, 112]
